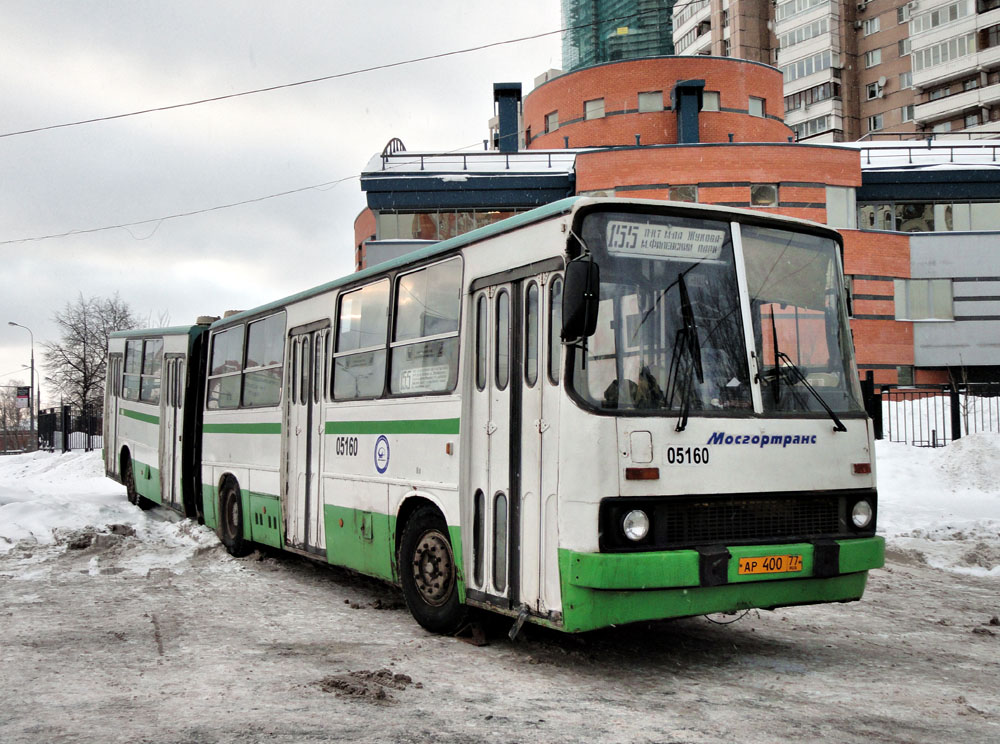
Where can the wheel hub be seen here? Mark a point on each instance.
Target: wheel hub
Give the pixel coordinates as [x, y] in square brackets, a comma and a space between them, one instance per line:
[433, 568]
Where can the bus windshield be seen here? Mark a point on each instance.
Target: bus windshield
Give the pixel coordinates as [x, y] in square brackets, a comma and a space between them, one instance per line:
[670, 335]
[801, 333]
[669, 332]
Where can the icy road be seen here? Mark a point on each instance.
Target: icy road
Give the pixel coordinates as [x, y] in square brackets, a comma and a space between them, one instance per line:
[123, 626]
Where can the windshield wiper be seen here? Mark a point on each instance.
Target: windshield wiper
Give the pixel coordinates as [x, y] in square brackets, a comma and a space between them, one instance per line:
[685, 340]
[779, 357]
[690, 328]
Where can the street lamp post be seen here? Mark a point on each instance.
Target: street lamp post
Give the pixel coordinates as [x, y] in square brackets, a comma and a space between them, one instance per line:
[31, 407]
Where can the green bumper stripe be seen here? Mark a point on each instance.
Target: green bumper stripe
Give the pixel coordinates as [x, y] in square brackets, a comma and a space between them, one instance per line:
[679, 568]
[419, 426]
[148, 418]
[263, 428]
[588, 609]
[601, 589]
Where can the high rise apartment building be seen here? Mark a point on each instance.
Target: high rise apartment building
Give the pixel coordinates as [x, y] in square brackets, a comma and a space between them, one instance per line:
[610, 30]
[865, 68]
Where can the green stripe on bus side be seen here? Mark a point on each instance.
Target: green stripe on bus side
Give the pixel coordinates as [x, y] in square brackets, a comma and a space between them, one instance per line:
[208, 501]
[147, 481]
[148, 418]
[258, 428]
[418, 426]
[366, 542]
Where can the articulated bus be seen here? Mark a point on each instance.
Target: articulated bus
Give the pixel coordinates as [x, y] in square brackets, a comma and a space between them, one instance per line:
[152, 415]
[598, 412]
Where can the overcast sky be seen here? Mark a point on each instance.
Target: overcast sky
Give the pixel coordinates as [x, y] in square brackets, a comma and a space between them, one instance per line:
[68, 61]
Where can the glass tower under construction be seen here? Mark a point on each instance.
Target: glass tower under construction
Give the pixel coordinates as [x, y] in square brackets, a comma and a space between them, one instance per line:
[610, 30]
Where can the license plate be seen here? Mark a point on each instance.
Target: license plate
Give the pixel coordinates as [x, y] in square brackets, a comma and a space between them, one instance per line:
[771, 564]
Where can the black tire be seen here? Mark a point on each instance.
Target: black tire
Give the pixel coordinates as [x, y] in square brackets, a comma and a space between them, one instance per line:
[429, 573]
[231, 519]
[128, 478]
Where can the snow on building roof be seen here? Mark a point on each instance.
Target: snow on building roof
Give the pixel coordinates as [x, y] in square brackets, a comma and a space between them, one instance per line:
[932, 154]
[473, 163]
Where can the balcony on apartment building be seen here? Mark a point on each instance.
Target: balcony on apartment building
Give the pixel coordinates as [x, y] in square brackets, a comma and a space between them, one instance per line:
[694, 30]
[956, 103]
[808, 111]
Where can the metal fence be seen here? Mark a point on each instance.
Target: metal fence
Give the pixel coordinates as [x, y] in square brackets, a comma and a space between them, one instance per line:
[62, 430]
[935, 415]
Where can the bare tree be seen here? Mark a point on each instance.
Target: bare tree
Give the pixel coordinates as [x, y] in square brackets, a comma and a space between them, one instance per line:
[14, 433]
[77, 363]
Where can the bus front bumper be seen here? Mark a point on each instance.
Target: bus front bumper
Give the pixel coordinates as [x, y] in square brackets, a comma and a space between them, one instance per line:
[602, 589]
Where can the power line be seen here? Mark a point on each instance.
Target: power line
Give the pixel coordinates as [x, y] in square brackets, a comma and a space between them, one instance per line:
[322, 186]
[269, 89]
[324, 78]
[159, 220]
[126, 225]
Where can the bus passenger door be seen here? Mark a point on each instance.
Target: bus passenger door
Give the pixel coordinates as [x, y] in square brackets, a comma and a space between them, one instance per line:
[171, 426]
[536, 447]
[513, 459]
[112, 394]
[303, 507]
[490, 483]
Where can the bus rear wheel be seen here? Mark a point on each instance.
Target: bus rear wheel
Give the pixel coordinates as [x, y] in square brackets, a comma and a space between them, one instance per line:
[429, 573]
[231, 519]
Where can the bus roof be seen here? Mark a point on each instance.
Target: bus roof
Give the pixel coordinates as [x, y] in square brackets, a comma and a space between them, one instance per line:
[522, 219]
[191, 330]
[445, 246]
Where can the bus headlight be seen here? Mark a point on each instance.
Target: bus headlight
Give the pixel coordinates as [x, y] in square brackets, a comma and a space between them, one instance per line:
[861, 514]
[635, 525]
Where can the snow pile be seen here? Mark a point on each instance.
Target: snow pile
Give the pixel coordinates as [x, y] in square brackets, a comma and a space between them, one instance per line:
[940, 506]
[50, 501]
[943, 505]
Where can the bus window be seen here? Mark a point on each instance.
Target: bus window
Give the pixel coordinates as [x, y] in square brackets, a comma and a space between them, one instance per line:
[224, 369]
[500, 542]
[425, 342]
[531, 335]
[503, 340]
[181, 383]
[359, 358]
[293, 370]
[326, 365]
[317, 367]
[304, 371]
[482, 341]
[799, 320]
[133, 369]
[152, 364]
[265, 349]
[478, 527]
[555, 329]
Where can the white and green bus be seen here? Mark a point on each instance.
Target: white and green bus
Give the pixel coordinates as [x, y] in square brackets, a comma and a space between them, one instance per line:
[152, 415]
[598, 412]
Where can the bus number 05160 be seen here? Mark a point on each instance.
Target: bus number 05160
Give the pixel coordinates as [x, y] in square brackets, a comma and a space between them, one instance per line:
[687, 455]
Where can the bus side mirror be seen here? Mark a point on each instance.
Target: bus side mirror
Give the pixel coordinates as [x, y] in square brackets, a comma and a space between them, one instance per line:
[580, 297]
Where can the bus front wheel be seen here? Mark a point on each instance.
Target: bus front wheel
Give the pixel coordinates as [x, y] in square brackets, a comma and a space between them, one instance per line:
[429, 573]
[231, 519]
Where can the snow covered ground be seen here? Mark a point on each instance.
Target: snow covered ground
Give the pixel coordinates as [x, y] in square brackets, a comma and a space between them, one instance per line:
[119, 626]
[47, 501]
[941, 506]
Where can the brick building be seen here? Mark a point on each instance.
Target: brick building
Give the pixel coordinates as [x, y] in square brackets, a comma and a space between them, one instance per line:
[863, 68]
[712, 130]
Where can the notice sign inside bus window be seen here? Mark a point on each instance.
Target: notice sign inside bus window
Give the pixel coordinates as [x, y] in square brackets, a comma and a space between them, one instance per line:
[664, 241]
